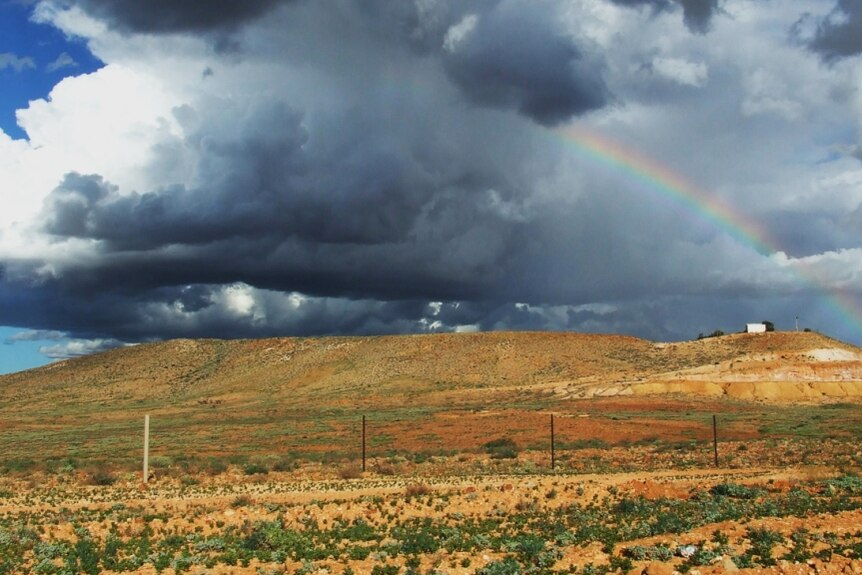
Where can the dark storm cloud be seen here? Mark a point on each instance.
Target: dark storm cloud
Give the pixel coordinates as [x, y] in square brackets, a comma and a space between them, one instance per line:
[386, 157]
[511, 55]
[154, 314]
[697, 14]
[238, 201]
[519, 59]
[840, 34]
[362, 207]
[266, 185]
[169, 16]
[802, 234]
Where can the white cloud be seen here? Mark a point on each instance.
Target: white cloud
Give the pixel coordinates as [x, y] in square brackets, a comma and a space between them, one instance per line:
[682, 71]
[64, 60]
[79, 347]
[71, 20]
[239, 299]
[17, 63]
[107, 122]
[35, 335]
[459, 33]
[766, 93]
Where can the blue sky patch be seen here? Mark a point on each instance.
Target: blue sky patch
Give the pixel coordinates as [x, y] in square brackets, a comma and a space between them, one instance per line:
[33, 59]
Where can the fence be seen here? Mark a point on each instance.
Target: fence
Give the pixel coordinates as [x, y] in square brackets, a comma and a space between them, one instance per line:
[469, 441]
[587, 444]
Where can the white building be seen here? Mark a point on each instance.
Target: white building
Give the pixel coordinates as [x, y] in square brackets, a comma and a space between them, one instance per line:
[755, 328]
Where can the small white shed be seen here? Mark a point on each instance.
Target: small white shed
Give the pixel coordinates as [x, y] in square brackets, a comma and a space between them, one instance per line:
[755, 328]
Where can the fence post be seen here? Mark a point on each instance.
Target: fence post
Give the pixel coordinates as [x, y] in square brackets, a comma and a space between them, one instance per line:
[363, 443]
[715, 440]
[553, 452]
[146, 447]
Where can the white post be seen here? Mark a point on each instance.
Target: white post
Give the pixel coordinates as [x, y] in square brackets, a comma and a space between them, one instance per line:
[146, 446]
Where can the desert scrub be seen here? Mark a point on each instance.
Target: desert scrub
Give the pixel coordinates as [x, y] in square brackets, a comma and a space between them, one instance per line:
[761, 540]
[255, 469]
[648, 552]
[529, 538]
[502, 448]
[351, 471]
[736, 491]
[801, 551]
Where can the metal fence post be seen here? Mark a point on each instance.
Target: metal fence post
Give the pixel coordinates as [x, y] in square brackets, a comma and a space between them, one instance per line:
[146, 447]
[715, 440]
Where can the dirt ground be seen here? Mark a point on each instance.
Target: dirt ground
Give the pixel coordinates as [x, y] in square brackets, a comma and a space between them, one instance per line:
[375, 522]
[256, 469]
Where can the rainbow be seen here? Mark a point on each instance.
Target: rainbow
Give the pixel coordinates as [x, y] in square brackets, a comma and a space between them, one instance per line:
[670, 185]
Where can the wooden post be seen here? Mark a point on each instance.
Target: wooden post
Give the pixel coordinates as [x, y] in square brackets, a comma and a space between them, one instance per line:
[553, 453]
[715, 440]
[363, 443]
[146, 447]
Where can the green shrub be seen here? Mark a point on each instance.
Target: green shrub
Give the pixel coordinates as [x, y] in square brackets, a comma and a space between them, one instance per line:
[648, 552]
[848, 483]
[502, 448]
[255, 469]
[216, 466]
[160, 461]
[736, 491]
[507, 566]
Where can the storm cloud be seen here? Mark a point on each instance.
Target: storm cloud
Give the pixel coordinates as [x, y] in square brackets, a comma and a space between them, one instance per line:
[697, 14]
[168, 16]
[518, 59]
[400, 167]
[839, 34]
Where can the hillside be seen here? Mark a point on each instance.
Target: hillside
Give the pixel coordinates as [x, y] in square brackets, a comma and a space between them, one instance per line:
[481, 366]
[442, 392]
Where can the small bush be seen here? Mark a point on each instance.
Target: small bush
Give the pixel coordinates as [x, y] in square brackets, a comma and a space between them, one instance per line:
[502, 448]
[416, 490]
[762, 541]
[736, 491]
[241, 501]
[382, 468]
[101, 476]
[848, 483]
[649, 552]
[216, 467]
[507, 566]
[160, 461]
[285, 464]
[350, 472]
[255, 469]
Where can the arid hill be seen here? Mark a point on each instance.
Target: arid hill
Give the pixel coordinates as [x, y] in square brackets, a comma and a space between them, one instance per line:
[257, 449]
[446, 393]
[778, 366]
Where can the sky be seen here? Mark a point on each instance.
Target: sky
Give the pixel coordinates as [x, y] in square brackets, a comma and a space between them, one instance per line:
[658, 168]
